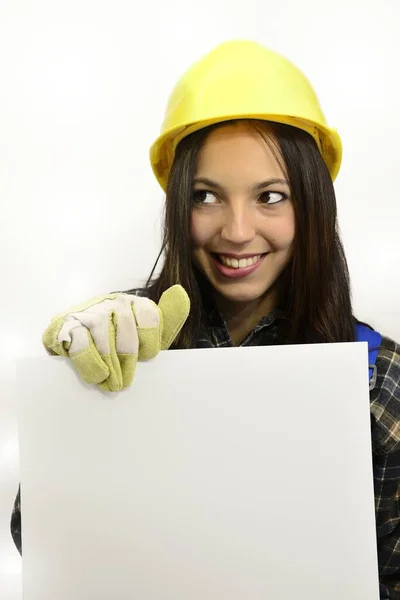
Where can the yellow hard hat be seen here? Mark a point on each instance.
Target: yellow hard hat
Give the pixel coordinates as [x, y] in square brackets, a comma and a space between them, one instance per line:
[237, 80]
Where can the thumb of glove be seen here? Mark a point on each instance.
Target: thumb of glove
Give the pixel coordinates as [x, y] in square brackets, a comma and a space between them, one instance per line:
[175, 308]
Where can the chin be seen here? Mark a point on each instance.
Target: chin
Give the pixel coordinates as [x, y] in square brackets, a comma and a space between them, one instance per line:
[242, 296]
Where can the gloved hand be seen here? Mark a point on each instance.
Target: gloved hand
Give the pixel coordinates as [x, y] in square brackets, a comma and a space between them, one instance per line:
[106, 336]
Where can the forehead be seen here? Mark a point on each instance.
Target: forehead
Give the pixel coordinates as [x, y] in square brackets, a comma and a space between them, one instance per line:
[240, 151]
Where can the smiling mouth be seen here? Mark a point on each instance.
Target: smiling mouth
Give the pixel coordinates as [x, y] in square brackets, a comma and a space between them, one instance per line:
[238, 263]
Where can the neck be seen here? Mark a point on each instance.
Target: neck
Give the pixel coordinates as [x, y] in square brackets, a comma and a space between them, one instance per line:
[242, 317]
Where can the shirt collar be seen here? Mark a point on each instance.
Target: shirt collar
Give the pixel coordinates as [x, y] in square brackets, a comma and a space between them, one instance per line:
[214, 318]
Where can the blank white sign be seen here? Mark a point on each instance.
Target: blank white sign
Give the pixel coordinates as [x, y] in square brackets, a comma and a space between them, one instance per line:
[234, 474]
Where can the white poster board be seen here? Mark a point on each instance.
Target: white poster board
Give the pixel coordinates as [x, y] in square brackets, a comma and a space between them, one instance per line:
[239, 473]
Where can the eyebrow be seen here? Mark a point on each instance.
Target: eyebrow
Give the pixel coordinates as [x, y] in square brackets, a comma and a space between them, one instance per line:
[255, 188]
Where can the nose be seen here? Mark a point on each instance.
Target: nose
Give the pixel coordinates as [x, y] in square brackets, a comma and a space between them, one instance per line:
[238, 225]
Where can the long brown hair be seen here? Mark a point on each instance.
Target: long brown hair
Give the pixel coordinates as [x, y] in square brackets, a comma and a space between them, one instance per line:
[315, 286]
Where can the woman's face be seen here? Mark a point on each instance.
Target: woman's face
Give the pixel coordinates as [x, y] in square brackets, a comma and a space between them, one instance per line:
[243, 221]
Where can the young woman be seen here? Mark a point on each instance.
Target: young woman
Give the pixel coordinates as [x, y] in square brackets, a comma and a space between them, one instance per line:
[251, 251]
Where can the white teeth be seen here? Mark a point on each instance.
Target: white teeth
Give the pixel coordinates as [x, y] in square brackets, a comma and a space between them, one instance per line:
[234, 263]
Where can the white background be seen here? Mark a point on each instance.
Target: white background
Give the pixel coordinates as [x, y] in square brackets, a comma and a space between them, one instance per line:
[83, 86]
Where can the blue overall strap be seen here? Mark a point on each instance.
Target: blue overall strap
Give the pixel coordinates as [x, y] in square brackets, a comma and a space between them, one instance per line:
[374, 339]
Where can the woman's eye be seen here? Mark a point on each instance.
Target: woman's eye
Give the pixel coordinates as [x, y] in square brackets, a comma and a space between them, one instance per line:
[203, 197]
[272, 197]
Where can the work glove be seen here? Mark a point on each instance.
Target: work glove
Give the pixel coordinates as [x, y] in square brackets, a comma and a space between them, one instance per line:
[107, 335]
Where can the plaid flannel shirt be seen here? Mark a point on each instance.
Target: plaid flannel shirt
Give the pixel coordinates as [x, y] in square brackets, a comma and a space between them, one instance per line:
[385, 428]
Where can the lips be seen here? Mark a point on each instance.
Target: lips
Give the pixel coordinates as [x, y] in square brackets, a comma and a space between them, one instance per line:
[239, 262]
[237, 266]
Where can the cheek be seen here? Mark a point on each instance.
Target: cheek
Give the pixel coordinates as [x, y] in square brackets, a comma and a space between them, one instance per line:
[201, 230]
[288, 227]
[282, 234]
